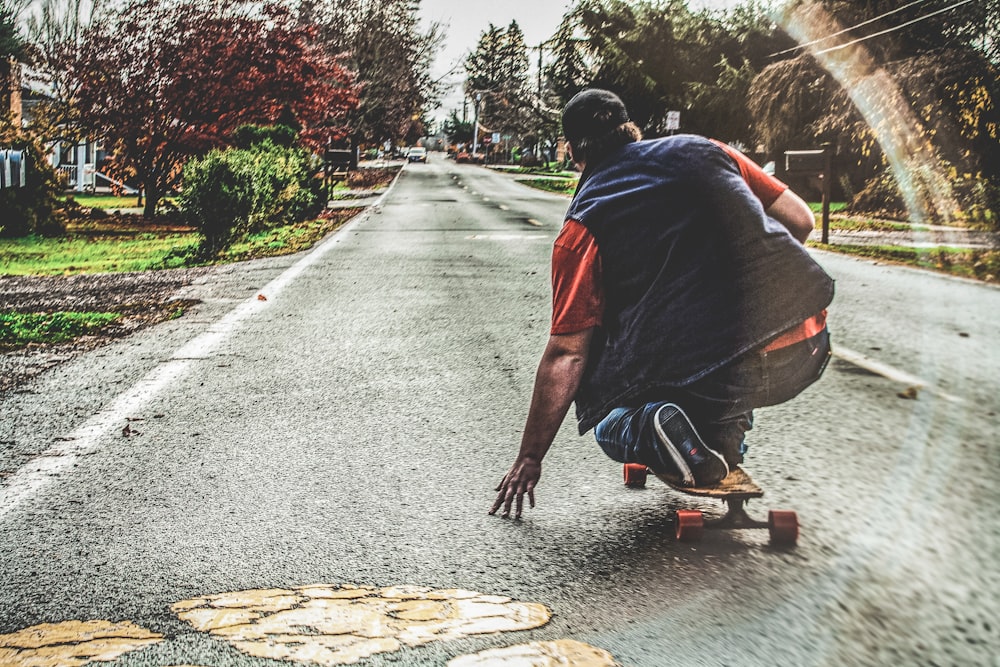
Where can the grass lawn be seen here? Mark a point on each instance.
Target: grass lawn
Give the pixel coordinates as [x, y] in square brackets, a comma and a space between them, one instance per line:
[67, 255]
[127, 242]
[835, 206]
[110, 245]
[103, 201]
[562, 186]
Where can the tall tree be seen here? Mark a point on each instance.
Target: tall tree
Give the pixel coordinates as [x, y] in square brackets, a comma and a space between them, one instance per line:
[12, 42]
[498, 74]
[568, 71]
[457, 130]
[12, 49]
[167, 79]
[382, 41]
[56, 32]
[661, 56]
[907, 93]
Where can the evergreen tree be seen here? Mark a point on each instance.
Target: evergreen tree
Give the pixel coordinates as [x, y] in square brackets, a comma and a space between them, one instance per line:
[498, 75]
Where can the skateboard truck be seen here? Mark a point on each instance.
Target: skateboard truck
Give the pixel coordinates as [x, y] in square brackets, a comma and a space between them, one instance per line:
[735, 491]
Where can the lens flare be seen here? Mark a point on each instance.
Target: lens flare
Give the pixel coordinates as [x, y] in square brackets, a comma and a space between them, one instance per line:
[905, 140]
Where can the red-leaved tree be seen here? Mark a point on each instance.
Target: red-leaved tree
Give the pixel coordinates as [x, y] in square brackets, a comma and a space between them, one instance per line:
[164, 80]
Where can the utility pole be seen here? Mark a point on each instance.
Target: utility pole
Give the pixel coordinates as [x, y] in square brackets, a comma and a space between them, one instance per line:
[475, 126]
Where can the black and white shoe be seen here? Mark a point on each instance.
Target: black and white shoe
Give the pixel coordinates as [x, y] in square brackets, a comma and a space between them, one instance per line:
[696, 464]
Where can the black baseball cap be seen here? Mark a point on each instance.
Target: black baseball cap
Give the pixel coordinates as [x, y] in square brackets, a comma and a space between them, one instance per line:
[593, 113]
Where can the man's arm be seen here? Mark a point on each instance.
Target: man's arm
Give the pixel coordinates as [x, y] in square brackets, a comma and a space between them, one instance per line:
[791, 211]
[779, 202]
[559, 374]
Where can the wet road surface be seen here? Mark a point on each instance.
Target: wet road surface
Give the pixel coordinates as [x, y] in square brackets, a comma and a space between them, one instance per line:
[330, 427]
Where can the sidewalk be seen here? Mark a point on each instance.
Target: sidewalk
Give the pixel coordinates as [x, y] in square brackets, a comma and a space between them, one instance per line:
[918, 236]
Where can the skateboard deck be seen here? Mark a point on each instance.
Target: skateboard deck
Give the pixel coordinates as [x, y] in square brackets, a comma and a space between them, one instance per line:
[735, 490]
[737, 484]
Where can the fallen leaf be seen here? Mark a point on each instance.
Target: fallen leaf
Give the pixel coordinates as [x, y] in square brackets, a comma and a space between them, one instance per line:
[261, 297]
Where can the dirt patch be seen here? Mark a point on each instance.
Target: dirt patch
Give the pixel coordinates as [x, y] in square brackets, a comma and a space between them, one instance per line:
[143, 299]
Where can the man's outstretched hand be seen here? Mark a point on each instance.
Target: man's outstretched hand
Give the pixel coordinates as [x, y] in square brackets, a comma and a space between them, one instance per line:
[520, 480]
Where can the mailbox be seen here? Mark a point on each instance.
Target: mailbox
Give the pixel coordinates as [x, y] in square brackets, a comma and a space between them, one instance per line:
[339, 156]
[819, 163]
[13, 168]
[805, 162]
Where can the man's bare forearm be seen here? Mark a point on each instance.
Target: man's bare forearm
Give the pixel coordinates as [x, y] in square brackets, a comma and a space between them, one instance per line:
[559, 374]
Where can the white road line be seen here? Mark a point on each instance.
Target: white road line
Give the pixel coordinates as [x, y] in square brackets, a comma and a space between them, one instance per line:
[44, 468]
[890, 372]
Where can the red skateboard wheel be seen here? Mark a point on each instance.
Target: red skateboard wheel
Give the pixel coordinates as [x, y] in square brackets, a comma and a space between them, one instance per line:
[635, 475]
[690, 525]
[783, 525]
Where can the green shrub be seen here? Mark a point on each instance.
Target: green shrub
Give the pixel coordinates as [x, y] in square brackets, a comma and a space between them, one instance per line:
[229, 194]
[284, 187]
[216, 199]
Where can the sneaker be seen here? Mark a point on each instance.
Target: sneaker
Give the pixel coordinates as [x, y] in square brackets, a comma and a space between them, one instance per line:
[695, 462]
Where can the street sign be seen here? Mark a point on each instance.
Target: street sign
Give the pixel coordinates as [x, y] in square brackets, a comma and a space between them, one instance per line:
[673, 120]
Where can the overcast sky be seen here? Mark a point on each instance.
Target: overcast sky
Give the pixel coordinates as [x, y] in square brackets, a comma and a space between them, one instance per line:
[465, 21]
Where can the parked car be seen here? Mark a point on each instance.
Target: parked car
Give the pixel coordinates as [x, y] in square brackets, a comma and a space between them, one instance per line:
[417, 154]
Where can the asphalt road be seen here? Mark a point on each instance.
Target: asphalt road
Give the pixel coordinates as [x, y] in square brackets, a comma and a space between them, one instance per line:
[339, 419]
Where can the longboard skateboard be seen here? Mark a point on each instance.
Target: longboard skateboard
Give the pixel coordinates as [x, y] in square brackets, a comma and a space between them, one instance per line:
[735, 491]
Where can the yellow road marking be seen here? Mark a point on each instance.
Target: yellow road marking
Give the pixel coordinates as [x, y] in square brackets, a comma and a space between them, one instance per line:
[336, 625]
[73, 643]
[324, 625]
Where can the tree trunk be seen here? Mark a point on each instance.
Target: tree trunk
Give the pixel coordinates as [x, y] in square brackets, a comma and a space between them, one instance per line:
[152, 199]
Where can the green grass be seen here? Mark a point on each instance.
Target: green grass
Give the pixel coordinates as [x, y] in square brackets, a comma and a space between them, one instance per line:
[835, 206]
[68, 255]
[103, 201]
[562, 186]
[861, 224]
[554, 171]
[287, 239]
[20, 329]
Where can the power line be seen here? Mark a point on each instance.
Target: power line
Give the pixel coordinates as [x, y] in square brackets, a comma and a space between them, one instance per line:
[876, 34]
[853, 27]
[899, 27]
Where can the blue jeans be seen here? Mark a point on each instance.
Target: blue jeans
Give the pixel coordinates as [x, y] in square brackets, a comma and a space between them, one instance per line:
[720, 405]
